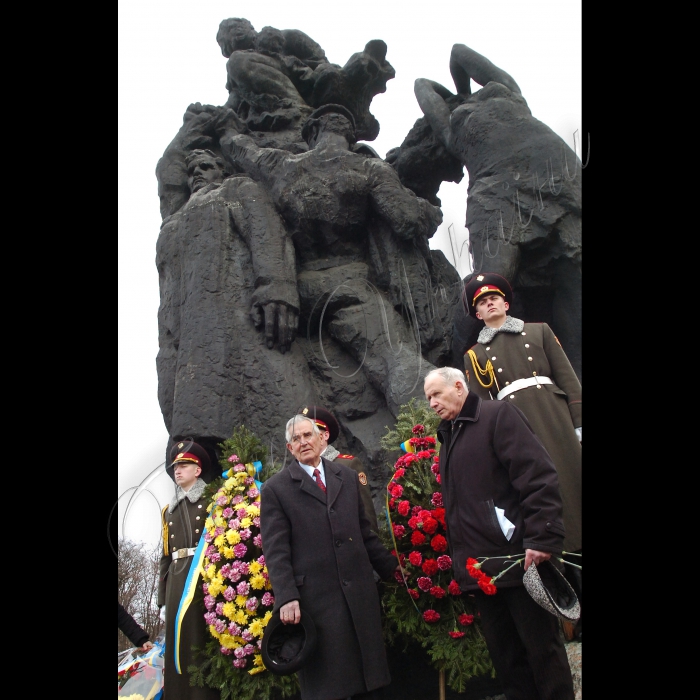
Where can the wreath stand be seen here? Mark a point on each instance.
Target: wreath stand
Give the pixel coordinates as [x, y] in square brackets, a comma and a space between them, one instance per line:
[442, 684]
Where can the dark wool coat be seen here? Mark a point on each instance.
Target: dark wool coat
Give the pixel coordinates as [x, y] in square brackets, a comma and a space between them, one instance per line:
[518, 351]
[135, 633]
[320, 550]
[183, 527]
[492, 459]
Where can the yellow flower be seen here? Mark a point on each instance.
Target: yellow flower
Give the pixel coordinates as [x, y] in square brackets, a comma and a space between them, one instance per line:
[232, 536]
[256, 669]
[241, 600]
[229, 609]
[209, 524]
[211, 570]
[255, 567]
[228, 641]
[252, 510]
[240, 475]
[228, 552]
[219, 540]
[215, 585]
[256, 628]
[213, 632]
[240, 617]
[219, 521]
[246, 522]
[267, 618]
[257, 581]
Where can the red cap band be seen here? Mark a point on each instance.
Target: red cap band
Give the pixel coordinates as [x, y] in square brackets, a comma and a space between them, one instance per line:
[187, 457]
[485, 289]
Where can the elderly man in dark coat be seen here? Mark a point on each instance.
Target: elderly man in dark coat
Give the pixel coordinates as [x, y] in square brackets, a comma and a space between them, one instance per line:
[501, 498]
[320, 552]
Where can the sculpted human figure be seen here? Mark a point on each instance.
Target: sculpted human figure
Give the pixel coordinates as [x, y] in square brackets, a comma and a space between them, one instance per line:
[276, 77]
[339, 206]
[227, 291]
[524, 196]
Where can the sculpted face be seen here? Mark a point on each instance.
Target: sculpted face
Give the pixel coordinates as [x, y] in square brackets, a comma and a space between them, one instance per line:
[444, 398]
[203, 170]
[306, 445]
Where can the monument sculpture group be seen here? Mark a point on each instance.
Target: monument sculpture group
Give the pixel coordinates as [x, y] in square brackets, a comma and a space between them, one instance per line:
[294, 261]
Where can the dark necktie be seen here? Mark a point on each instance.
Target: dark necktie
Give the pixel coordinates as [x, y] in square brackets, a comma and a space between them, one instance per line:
[317, 477]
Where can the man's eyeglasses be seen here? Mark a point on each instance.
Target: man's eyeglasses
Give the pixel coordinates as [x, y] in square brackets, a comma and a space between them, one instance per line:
[296, 439]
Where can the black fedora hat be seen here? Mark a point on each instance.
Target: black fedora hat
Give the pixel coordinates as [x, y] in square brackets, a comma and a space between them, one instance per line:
[324, 419]
[287, 648]
[485, 283]
[549, 588]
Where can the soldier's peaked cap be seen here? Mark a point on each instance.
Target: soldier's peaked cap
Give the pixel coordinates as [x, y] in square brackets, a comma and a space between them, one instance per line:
[485, 283]
[324, 419]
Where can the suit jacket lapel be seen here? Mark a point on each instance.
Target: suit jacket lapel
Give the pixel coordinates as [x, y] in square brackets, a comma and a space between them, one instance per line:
[334, 481]
[306, 483]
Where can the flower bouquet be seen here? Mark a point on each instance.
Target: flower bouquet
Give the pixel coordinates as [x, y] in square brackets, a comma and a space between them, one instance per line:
[426, 604]
[237, 591]
[140, 676]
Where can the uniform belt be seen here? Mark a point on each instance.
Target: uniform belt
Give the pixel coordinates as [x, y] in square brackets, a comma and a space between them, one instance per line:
[519, 384]
[184, 552]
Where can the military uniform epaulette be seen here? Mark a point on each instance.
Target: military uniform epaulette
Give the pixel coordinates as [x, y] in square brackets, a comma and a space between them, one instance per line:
[345, 457]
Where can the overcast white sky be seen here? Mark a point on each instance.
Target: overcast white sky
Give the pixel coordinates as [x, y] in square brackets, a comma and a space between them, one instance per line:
[169, 58]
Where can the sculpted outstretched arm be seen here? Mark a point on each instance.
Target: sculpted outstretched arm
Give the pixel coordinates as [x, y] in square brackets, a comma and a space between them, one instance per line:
[431, 98]
[465, 63]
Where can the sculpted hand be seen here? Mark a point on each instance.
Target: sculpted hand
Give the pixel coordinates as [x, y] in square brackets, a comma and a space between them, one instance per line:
[280, 322]
[532, 556]
[290, 613]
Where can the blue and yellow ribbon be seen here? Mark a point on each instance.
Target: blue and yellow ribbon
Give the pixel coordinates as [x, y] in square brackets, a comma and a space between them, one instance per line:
[187, 596]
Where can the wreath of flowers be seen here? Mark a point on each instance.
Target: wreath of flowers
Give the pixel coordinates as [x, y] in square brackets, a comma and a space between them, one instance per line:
[237, 590]
[427, 604]
[238, 596]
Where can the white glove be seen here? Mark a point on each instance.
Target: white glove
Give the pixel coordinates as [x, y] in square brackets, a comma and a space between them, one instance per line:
[162, 613]
[579, 434]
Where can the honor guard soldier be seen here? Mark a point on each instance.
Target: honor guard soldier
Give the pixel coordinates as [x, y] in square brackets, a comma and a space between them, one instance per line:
[330, 430]
[525, 364]
[183, 529]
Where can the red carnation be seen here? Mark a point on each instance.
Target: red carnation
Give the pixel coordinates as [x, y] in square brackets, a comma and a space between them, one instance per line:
[398, 576]
[430, 525]
[430, 567]
[416, 558]
[486, 585]
[439, 515]
[438, 479]
[431, 616]
[413, 522]
[424, 454]
[399, 531]
[456, 635]
[424, 583]
[413, 593]
[444, 562]
[416, 511]
[437, 592]
[453, 588]
[429, 440]
[418, 429]
[399, 473]
[465, 619]
[438, 543]
[408, 459]
[397, 490]
[417, 538]
[404, 508]
[436, 499]
[392, 501]
[435, 468]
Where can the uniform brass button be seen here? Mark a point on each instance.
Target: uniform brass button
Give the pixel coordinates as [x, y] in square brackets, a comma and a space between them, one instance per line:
[494, 357]
[527, 345]
[500, 369]
[170, 523]
[338, 543]
[197, 518]
[199, 506]
[512, 396]
[171, 536]
[523, 333]
[197, 531]
[529, 358]
[507, 383]
[539, 386]
[488, 348]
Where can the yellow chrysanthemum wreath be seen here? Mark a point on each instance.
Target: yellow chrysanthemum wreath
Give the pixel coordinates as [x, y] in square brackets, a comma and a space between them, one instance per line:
[236, 584]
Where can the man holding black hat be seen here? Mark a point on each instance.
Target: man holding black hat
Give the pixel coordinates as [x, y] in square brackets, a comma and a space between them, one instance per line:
[320, 552]
[183, 529]
[501, 497]
[330, 429]
[525, 364]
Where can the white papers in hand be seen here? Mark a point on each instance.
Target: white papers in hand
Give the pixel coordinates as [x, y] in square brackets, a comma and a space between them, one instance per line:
[507, 526]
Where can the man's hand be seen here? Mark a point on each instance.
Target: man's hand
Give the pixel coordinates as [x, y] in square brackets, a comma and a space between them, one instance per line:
[146, 646]
[290, 613]
[280, 322]
[162, 613]
[532, 556]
